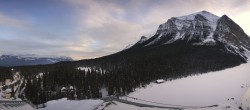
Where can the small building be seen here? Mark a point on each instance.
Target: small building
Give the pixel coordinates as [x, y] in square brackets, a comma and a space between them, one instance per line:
[159, 81]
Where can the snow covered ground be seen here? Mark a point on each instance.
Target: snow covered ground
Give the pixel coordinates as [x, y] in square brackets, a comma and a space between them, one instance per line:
[224, 87]
[15, 106]
[64, 104]
[25, 107]
[245, 100]
[121, 106]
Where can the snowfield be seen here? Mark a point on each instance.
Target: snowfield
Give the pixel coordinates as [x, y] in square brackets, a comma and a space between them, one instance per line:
[224, 87]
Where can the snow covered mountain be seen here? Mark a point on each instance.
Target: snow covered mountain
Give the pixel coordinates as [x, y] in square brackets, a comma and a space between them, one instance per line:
[201, 28]
[18, 60]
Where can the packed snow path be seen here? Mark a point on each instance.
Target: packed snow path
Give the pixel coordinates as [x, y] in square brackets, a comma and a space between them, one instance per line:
[245, 100]
[167, 106]
[109, 99]
[12, 105]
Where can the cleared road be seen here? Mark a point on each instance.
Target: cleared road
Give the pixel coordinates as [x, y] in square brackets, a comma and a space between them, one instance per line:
[112, 98]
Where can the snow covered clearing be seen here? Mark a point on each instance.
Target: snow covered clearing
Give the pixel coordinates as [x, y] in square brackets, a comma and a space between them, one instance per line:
[64, 104]
[224, 87]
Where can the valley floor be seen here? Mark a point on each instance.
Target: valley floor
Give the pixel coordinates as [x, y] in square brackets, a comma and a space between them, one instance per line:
[223, 88]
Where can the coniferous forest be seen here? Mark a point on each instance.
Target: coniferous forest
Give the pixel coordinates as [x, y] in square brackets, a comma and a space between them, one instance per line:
[5, 73]
[120, 73]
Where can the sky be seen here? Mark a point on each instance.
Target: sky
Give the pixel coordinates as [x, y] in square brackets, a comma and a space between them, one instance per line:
[83, 29]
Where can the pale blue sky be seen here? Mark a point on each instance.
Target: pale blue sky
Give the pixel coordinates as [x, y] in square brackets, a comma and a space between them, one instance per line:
[91, 28]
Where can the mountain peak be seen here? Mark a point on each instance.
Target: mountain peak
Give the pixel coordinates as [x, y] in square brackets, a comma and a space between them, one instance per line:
[197, 28]
[209, 16]
[204, 11]
[200, 29]
[191, 21]
[143, 38]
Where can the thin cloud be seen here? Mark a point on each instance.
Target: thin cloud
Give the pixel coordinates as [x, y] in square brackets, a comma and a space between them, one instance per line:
[6, 20]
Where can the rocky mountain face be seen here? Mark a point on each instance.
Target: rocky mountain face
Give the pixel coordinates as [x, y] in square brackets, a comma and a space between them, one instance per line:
[200, 29]
[20, 60]
[232, 36]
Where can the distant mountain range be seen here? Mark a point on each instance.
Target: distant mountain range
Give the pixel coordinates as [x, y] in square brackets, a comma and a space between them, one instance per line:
[20, 60]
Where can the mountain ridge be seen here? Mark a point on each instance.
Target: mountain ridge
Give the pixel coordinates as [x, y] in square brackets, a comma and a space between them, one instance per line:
[30, 59]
